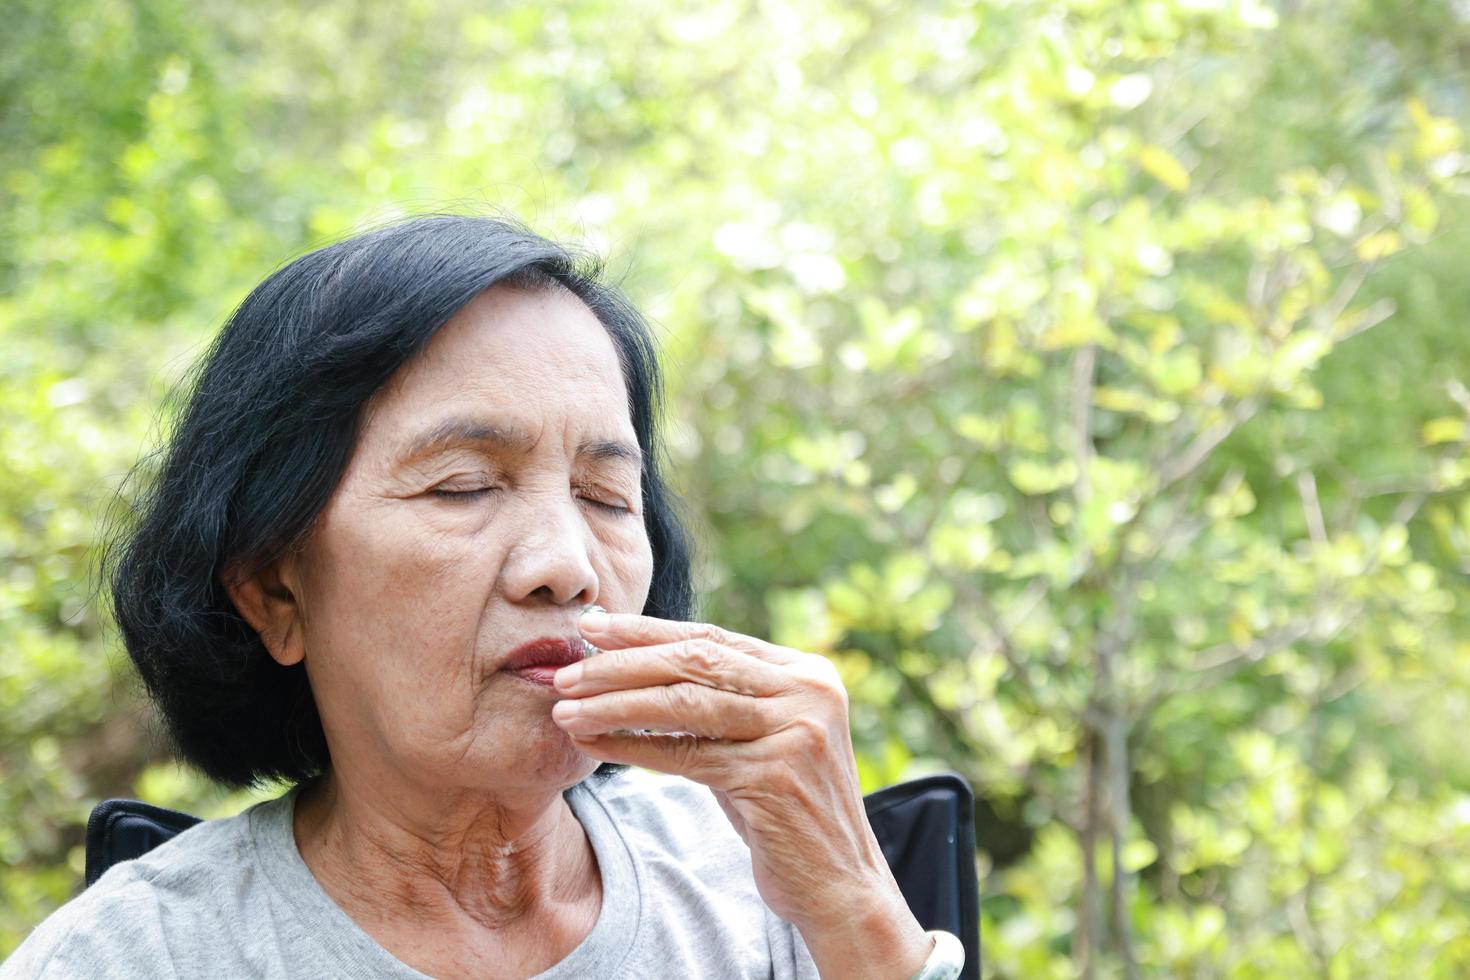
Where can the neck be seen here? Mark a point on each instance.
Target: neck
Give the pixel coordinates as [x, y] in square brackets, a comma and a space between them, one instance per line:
[467, 859]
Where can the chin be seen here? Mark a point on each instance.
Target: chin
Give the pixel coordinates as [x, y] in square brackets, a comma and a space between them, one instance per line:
[581, 765]
[557, 761]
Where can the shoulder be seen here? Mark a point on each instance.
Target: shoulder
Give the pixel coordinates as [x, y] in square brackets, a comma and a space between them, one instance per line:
[72, 940]
[119, 926]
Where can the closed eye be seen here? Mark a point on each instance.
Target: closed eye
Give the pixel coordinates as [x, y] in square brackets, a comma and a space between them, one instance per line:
[610, 508]
[466, 494]
[604, 499]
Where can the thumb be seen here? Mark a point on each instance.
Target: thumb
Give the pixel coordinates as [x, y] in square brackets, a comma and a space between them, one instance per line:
[723, 799]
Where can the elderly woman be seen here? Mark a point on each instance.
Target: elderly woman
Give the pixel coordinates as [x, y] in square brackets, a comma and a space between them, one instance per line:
[410, 465]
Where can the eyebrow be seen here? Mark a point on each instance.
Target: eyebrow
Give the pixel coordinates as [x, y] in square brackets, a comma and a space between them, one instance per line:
[458, 431]
[600, 449]
[462, 431]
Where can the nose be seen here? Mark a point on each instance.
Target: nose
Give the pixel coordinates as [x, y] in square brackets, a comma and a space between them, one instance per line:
[551, 561]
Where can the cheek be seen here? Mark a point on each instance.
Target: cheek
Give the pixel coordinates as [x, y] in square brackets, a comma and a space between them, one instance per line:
[388, 592]
[629, 567]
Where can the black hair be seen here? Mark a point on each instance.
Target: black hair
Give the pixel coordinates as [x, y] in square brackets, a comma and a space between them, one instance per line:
[267, 428]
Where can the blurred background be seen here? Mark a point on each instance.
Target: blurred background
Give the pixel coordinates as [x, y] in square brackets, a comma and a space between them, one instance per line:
[1087, 378]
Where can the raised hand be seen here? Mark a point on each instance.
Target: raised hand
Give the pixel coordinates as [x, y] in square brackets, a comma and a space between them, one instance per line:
[766, 728]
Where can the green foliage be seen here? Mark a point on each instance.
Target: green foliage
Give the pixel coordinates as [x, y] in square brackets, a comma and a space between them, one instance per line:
[1086, 378]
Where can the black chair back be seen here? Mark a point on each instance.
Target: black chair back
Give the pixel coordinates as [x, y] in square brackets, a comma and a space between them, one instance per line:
[120, 830]
[926, 828]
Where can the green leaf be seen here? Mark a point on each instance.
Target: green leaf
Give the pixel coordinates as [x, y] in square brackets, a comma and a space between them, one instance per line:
[1162, 166]
[1035, 477]
[1446, 428]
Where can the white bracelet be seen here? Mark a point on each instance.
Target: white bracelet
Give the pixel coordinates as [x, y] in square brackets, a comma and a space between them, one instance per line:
[946, 960]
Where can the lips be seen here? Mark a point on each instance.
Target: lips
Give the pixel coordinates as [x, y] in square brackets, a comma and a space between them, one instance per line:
[548, 651]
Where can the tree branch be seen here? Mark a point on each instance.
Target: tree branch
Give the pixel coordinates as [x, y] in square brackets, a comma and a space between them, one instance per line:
[1087, 939]
[952, 724]
[1084, 369]
[1119, 771]
[1203, 444]
[1000, 636]
[1306, 484]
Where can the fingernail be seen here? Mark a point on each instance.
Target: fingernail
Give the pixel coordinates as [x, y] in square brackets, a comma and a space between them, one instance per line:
[568, 676]
[566, 710]
[593, 619]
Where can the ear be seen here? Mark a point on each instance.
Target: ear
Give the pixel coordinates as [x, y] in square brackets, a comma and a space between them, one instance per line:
[269, 601]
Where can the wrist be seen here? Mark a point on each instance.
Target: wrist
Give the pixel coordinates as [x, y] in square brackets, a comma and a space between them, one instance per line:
[882, 941]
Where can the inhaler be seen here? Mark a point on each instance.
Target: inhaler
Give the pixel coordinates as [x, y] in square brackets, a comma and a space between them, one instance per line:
[591, 651]
[588, 650]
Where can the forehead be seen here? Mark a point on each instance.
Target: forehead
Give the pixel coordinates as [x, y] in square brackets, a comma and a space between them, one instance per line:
[528, 358]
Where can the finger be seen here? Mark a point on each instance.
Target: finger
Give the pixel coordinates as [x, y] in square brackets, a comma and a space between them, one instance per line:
[682, 707]
[714, 762]
[696, 661]
[619, 631]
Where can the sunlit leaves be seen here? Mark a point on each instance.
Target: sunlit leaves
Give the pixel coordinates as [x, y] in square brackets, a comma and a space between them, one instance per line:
[996, 333]
[1164, 167]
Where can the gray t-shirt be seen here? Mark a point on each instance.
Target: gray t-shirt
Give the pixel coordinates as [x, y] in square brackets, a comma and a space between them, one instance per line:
[232, 898]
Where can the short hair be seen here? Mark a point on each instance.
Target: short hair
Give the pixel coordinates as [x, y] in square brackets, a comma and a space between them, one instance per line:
[268, 425]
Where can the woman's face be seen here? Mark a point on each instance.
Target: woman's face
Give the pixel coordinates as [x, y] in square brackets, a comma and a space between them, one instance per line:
[493, 493]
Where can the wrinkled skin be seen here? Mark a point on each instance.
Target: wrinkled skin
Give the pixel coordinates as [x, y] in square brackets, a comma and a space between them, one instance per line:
[441, 828]
[766, 728]
[426, 570]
